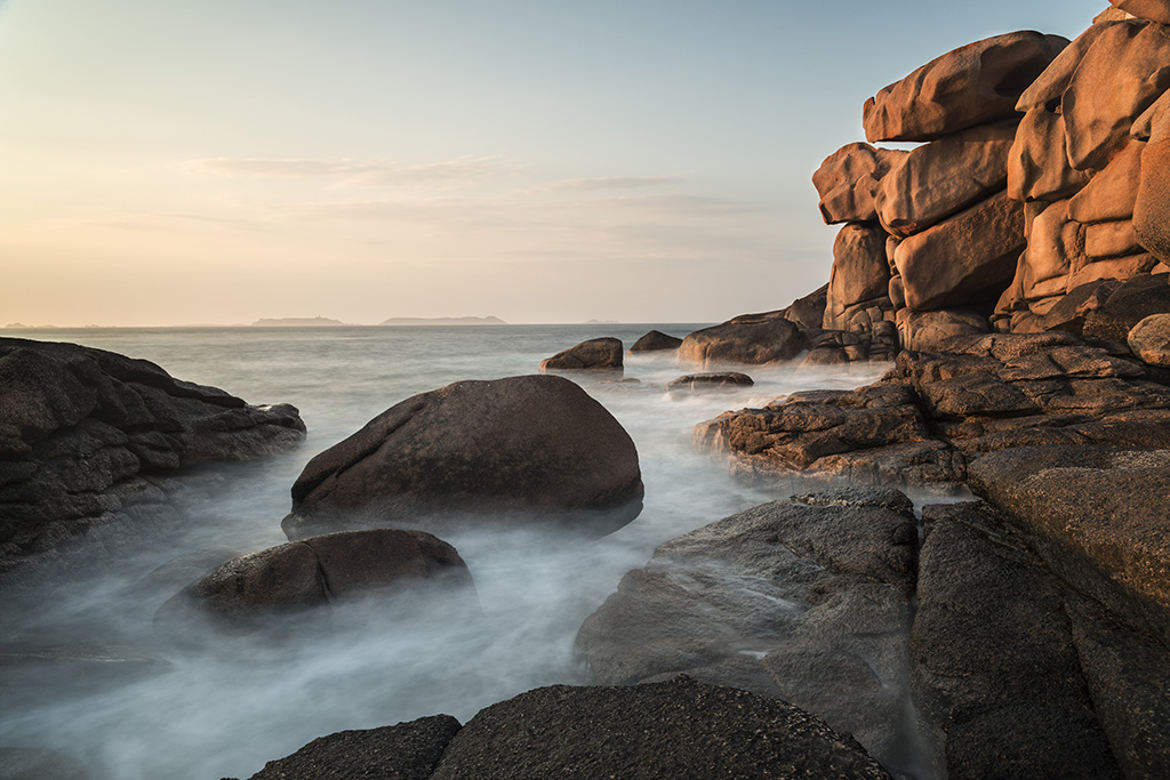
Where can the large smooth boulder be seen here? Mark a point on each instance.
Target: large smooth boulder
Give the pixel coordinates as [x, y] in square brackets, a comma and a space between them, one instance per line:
[406, 751]
[996, 676]
[84, 432]
[825, 616]
[972, 85]
[679, 729]
[655, 341]
[945, 176]
[602, 353]
[1111, 193]
[1038, 167]
[860, 272]
[319, 570]
[1151, 215]
[848, 180]
[972, 254]
[532, 448]
[751, 339]
[1125, 69]
[1150, 340]
[1154, 10]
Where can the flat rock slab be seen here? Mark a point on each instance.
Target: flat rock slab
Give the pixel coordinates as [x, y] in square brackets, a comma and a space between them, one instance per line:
[681, 730]
[804, 599]
[85, 433]
[531, 449]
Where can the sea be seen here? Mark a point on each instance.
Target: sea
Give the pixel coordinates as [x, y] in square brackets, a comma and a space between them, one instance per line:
[211, 709]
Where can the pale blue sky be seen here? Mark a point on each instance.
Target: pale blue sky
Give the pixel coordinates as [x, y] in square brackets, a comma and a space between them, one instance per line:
[220, 161]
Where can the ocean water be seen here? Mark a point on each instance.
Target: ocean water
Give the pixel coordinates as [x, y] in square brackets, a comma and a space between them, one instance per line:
[217, 707]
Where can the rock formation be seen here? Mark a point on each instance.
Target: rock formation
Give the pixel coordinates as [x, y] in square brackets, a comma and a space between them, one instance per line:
[655, 341]
[85, 434]
[531, 448]
[603, 353]
[709, 381]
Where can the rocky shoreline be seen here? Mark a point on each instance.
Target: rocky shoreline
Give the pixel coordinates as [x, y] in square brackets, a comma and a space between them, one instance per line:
[1015, 271]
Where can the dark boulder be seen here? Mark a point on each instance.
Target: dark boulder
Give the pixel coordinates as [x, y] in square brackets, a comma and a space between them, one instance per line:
[1128, 305]
[752, 339]
[530, 448]
[705, 381]
[603, 353]
[680, 729]
[406, 751]
[655, 341]
[808, 312]
[85, 435]
[804, 599]
[324, 569]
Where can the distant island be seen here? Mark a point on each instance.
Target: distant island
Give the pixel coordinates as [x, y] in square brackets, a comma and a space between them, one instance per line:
[443, 321]
[296, 322]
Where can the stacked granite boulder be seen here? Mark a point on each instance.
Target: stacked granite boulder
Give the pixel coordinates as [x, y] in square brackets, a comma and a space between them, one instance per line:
[1089, 163]
[931, 235]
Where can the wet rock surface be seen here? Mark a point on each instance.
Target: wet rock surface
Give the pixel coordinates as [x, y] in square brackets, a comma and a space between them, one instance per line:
[86, 436]
[805, 599]
[533, 449]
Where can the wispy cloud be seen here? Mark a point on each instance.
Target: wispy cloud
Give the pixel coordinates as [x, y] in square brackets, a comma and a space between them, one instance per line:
[601, 183]
[369, 173]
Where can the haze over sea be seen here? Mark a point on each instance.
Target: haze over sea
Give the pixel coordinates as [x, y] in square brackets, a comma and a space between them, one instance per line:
[225, 709]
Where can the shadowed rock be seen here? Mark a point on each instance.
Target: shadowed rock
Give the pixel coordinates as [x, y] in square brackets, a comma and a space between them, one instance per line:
[406, 751]
[655, 341]
[709, 381]
[750, 338]
[534, 449]
[83, 432]
[603, 353]
[680, 729]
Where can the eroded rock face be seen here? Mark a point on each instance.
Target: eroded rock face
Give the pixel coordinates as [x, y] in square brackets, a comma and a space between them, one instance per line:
[860, 272]
[1150, 340]
[1124, 70]
[529, 448]
[1111, 193]
[679, 729]
[1151, 211]
[972, 85]
[406, 751]
[808, 312]
[941, 178]
[83, 432]
[655, 341]
[1038, 166]
[849, 178]
[749, 339]
[322, 569]
[1154, 10]
[804, 599]
[602, 353]
[969, 255]
[996, 676]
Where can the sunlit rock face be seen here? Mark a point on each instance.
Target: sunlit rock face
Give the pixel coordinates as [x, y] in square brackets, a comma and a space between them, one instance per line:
[531, 449]
[84, 433]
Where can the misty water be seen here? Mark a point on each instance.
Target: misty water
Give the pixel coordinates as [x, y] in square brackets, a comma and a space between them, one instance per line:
[213, 707]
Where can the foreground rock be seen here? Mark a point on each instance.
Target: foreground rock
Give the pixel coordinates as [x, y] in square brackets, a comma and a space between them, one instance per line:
[997, 679]
[83, 432]
[325, 569]
[655, 341]
[406, 751]
[679, 729]
[534, 449]
[603, 353]
[750, 338]
[1150, 340]
[806, 599]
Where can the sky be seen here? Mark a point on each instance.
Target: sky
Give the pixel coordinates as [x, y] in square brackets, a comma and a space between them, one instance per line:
[167, 162]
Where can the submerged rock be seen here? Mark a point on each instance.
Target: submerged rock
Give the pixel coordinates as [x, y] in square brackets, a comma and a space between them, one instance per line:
[324, 569]
[655, 341]
[680, 729]
[806, 599]
[603, 353]
[533, 449]
[406, 751]
[84, 433]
